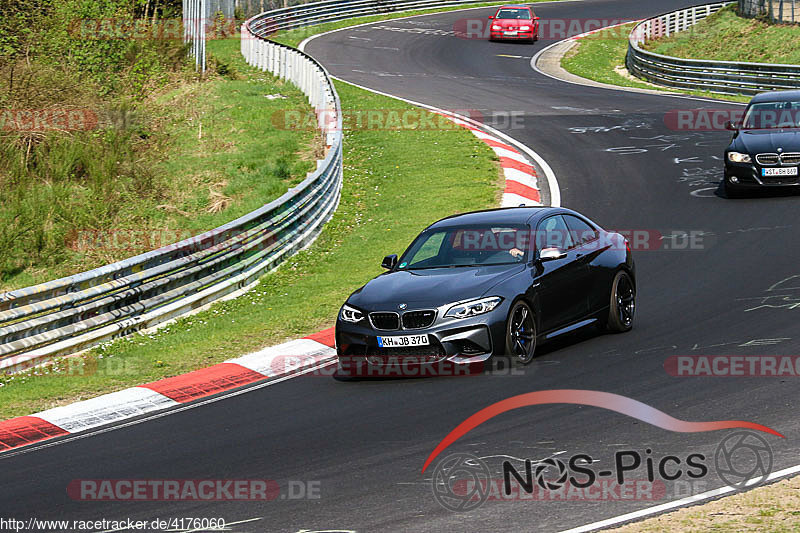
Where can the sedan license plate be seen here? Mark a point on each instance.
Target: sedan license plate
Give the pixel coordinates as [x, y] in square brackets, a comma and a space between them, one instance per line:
[786, 171]
[511, 33]
[402, 341]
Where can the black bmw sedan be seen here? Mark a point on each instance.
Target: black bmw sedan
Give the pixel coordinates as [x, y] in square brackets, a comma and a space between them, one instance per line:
[765, 149]
[491, 283]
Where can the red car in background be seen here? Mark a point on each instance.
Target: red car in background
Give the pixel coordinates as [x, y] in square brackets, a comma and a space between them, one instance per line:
[514, 22]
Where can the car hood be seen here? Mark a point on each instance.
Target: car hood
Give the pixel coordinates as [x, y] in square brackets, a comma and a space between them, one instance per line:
[513, 23]
[430, 287]
[767, 141]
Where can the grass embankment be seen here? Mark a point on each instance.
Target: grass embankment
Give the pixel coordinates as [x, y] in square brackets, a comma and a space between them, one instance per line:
[725, 36]
[395, 183]
[774, 508]
[160, 157]
[601, 57]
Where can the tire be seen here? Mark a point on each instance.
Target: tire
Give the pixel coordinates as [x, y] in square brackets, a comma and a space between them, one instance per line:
[623, 303]
[521, 333]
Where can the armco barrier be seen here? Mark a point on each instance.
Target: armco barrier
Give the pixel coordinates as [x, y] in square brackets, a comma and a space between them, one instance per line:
[726, 77]
[76, 312]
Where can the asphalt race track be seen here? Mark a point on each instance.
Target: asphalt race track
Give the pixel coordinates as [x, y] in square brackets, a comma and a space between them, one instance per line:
[365, 442]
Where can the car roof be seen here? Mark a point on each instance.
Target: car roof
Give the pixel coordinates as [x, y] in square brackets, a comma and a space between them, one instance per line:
[503, 215]
[513, 6]
[777, 96]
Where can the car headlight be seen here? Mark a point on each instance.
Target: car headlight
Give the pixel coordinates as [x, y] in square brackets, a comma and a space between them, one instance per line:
[349, 314]
[523, 28]
[738, 157]
[473, 308]
[495, 27]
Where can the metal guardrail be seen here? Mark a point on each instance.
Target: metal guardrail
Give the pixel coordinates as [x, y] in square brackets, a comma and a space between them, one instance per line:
[73, 313]
[726, 77]
[312, 13]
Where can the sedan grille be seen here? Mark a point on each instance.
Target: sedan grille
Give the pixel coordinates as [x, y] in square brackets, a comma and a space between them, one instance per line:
[790, 158]
[767, 159]
[385, 321]
[418, 319]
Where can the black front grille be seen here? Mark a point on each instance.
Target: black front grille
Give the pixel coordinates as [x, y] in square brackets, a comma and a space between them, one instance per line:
[767, 159]
[385, 321]
[790, 159]
[418, 319]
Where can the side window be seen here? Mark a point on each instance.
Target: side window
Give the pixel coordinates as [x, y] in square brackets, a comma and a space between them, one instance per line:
[553, 233]
[580, 231]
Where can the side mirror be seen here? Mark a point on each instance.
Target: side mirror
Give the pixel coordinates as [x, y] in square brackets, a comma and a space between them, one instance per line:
[491, 17]
[731, 126]
[389, 262]
[535, 18]
[551, 254]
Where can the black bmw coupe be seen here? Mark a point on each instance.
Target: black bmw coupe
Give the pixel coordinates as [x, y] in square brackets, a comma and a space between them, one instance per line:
[765, 149]
[491, 283]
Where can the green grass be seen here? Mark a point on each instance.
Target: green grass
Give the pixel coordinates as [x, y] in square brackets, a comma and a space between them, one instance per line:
[187, 159]
[296, 36]
[395, 183]
[597, 56]
[724, 36]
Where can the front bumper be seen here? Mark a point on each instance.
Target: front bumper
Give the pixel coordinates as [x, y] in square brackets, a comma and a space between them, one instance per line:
[748, 175]
[458, 341]
[499, 35]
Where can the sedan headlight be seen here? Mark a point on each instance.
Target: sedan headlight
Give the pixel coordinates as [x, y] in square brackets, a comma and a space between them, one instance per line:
[524, 28]
[349, 314]
[495, 27]
[738, 157]
[473, 308]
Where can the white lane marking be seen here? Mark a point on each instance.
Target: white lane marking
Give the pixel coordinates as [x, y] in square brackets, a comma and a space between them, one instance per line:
[651, 92]
[635, 515]
[512, 57]
[359, 38]
[106, 409]
[697, 192]
[225, 396]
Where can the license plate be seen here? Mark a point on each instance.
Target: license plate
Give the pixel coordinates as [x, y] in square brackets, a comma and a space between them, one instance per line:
[510, 33]
[403, 340]
[786, 171]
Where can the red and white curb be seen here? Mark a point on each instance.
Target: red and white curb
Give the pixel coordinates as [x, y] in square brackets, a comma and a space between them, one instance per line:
[522, 186]
[270, 363]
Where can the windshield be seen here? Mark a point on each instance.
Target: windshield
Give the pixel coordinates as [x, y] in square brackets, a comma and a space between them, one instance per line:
[770, 115]
[518, 14]
[466, 246]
